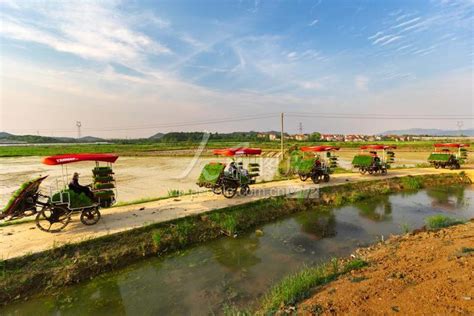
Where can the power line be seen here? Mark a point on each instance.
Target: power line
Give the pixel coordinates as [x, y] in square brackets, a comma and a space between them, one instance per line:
[171, 125]
[262, 116]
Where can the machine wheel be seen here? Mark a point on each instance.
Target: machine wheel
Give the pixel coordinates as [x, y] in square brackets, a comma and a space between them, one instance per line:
[90, 216]
[316, 179]
[303, 177]
[217, 190]
[229, 192]
[53, 218]
[362, 170]
[371, 171]
[436, 166]
[245, 189]
[383, 171]
[326, 178]
[458, 166]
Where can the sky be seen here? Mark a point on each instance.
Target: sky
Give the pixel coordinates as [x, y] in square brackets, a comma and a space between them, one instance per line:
[135, 68]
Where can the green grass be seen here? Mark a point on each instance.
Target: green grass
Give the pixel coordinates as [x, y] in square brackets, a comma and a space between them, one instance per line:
[296, 287]
[467, 250]
[405, 227]
[412, 183]
[441, 221]
[138, 149]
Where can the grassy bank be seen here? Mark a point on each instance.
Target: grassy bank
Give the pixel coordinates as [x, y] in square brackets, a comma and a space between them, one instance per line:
[50, 270]
[286, 295]
[156, 148]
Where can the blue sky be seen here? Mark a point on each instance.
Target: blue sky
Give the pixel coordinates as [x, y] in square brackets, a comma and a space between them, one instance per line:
[146, 65]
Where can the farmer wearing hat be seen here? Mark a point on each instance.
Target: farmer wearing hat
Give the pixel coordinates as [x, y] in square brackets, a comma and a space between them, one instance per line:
[76, 187]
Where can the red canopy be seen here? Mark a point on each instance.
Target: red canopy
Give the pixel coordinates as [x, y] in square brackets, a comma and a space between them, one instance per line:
[378, 147]
[451, 145]
[229, 152]
[68, 158]
[318, 148]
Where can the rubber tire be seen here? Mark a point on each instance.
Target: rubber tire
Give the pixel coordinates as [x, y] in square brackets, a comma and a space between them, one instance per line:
[303, 177]
[326, 178]
[43, 212]
[362, 170]
[86, 215]
[245, 189]
[217, 190]
[229, 192]
[436, 166]
[315, 179]
[383, 171]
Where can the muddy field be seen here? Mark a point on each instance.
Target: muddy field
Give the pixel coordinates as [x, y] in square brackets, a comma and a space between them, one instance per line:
[427, 273]
[145, 177]
[137, 177]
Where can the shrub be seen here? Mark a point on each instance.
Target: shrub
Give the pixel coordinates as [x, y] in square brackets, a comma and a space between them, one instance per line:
[296, 287]
[441, 221]
[411, 183]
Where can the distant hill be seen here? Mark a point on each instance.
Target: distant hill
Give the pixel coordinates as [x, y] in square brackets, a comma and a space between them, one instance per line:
[157, 136]
[5, 135]
[6, 138]
[430, 132]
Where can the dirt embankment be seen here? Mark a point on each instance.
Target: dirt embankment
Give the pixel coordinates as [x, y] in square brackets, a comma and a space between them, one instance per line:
[428, 273]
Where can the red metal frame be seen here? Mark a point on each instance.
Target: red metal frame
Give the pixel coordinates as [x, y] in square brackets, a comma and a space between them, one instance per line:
[70, 158]
[319, 148]
[242, 151]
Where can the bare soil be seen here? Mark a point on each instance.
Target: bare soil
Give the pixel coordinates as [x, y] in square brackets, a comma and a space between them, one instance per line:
[426, 273]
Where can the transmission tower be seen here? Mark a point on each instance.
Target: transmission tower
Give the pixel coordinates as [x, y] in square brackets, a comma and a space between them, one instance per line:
[78, 124]
[300, 128]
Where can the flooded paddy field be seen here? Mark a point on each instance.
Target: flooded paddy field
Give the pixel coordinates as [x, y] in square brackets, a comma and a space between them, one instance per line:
[137, 177]
[145, 177]
[237, 271]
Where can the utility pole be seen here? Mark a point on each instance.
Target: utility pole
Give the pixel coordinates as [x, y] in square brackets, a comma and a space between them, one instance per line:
[282, 134]
[78, 124]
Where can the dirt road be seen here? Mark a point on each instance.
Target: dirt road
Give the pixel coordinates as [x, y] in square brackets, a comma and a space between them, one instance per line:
[429, 273]
[20, 239]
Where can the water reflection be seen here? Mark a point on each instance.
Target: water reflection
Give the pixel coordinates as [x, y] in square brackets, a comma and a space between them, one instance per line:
[449, 198]
[318, 225]
[236, 254]
[377, 209]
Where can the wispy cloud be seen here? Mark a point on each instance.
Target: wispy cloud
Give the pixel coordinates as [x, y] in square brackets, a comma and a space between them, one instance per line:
[314, 22]
[406, 23]
[89, 30]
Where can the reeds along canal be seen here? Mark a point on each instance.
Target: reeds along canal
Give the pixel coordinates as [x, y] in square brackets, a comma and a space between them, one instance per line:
[238, 271]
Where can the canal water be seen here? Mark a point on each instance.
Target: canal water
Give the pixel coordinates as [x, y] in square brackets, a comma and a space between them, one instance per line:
[238, 271]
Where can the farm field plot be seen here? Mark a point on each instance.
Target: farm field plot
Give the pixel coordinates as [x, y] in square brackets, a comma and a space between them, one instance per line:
[137, 177]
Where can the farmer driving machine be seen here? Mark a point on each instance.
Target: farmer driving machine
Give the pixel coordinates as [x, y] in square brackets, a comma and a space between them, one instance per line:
[53, 212]
[369, 161]
[227, 179]
[448, 155]
[314, 162]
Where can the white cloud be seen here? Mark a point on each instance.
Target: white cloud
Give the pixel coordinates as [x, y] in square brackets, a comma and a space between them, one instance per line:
[393, 39]
[406, 23]
[90, 30]
[361, 82]
[314, 22]
[375, 35]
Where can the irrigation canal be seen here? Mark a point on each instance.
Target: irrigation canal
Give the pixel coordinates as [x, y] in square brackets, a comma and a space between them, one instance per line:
[238, 271]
